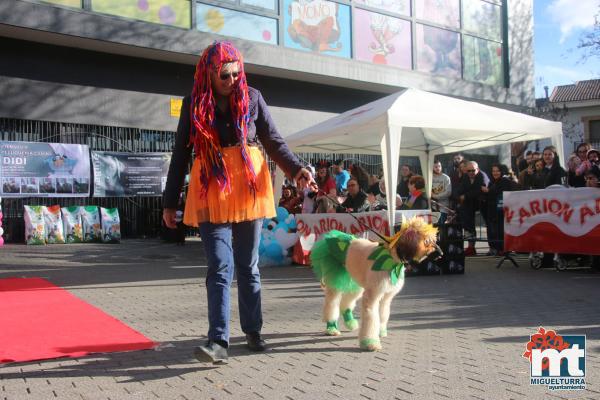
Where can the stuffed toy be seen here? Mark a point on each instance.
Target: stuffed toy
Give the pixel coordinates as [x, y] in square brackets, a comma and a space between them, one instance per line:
[278, 235]
[349, 268]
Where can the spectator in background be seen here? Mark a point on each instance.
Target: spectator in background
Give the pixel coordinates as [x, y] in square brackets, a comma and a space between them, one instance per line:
[341, 177]
[327, 190]
[373, 185]
[309, 196]
[536, 155]
[441, 189]
[471, 199]
[524, 162]
[290, 200]
[455, 180]
[498, 184]
[405, 174]
[417, 200]
[591, 162]
[379, 201]
[361, 175]
[552, 173]
[573, 164]
[537, 178]
[592, 178]
[356, 200]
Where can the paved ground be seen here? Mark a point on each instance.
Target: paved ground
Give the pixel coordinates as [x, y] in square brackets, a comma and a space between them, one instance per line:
[458, 337]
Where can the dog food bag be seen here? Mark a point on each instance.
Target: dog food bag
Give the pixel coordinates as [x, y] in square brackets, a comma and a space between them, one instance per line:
[72, 227]
[54, 225]
[111, 226]
[90, 220]
[35, 231]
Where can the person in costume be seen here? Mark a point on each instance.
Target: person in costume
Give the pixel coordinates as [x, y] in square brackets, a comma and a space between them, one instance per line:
[230, 189]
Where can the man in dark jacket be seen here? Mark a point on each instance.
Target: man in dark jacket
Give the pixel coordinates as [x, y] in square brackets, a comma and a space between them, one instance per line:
[356, 200]
[470, 198]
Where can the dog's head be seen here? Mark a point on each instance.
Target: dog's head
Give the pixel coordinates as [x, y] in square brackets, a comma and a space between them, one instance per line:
[415, 241]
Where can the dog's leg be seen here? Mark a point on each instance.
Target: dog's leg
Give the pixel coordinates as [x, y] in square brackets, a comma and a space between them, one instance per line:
[384, 312]
[347, 307]
[369, 327]
[331, 311]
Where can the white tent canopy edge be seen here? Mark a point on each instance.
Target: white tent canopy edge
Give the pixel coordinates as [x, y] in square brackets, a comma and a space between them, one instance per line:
[413, 122]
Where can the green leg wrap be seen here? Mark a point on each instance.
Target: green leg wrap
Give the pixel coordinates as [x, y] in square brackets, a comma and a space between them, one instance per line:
[383, 332]
[349, 321]
[332, 329]
[370, 344]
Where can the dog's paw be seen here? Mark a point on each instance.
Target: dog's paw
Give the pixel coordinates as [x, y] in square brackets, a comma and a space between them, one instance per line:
[351, 324]
[332, 329]
[369, 344]
[383, 332]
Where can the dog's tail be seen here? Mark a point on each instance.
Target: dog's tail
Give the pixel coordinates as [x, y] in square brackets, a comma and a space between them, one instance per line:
[328, 258]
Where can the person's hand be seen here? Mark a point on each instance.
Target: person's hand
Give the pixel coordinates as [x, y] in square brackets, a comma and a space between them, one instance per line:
[484, 189]
[169, 217]
[303, 178]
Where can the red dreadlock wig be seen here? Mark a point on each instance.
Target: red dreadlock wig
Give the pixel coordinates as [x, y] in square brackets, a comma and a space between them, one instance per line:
[204, 135]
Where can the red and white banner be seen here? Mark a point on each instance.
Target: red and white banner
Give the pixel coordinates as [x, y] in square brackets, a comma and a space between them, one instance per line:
[311, 227]
[553, 221]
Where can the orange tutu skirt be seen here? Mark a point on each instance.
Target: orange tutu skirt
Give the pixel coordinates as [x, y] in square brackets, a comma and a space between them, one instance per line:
[239, 204]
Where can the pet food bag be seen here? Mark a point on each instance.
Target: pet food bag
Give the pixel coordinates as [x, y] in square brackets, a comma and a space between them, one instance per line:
[54, 225]
[111, 226]
[72, 227]
[35, 232]
[90, 221]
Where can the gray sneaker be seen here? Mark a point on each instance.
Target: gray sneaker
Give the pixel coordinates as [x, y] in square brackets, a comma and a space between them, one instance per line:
[211, 352]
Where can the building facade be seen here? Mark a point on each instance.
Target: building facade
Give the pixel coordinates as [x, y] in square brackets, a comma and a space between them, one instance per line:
[122, 65]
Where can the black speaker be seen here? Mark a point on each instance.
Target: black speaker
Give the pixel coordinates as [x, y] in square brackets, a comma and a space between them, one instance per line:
[453, 245]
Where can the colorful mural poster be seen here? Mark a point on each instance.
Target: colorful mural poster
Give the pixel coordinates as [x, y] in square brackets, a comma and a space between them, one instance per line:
[68, 3]
[482, 18]
[223, 21]
[44, 169]
[319, 26]
[482, 60]
[382, 39]
[438, 51]
[268, 4]
[396, 6]
[443, 12]
[167, 12]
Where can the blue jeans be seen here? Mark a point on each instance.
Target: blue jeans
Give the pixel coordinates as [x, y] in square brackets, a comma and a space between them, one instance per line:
[227, 246]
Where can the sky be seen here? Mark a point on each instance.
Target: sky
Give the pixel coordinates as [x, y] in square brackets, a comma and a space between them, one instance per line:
[558, 26]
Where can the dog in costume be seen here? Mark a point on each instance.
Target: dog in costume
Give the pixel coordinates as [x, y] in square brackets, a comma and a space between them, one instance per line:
[350, 268]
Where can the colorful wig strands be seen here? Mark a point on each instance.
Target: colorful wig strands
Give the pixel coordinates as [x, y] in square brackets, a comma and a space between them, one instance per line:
[204, 135]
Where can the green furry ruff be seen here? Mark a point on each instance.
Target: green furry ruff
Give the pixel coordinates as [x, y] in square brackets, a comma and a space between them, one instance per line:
[328, 258]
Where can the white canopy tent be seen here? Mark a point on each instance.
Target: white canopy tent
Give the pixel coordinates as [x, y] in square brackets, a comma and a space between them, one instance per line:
[413, 122]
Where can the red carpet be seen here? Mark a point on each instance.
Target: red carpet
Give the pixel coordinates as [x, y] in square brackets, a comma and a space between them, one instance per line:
[39, 321]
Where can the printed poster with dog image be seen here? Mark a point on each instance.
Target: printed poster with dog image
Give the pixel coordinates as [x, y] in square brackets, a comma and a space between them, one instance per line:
[32, 169]
[129, 174]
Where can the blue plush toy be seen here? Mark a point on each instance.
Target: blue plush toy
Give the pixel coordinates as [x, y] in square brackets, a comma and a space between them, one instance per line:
[278, 236]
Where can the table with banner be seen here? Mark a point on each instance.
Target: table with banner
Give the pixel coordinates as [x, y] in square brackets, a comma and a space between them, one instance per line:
[311, 227]
[553, 221]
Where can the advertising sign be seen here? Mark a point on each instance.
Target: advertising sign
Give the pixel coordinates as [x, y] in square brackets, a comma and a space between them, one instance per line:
[129, 174]
[32, 169]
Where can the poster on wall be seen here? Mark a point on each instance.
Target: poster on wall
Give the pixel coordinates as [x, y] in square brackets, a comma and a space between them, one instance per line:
[395, 6]
[482, 18]
[443, 12]
[319, 26]
[68, 3]
[129, 174]
[166, 12]
[223, 21]
[32, 169]
[382, 39]
[438, 51]
[482, 60]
